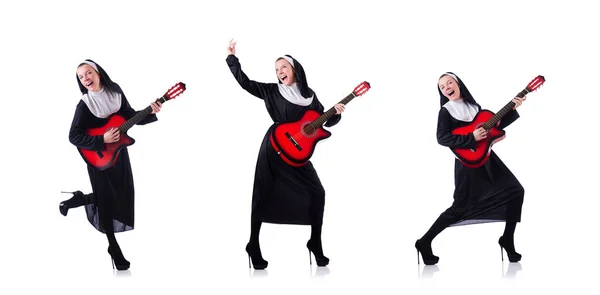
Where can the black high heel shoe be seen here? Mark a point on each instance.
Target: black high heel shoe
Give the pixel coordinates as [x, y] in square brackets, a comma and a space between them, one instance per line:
[64, 206]
[427, 253]
[513, 256]
[254, 253]
[317, 250]
[118, 260]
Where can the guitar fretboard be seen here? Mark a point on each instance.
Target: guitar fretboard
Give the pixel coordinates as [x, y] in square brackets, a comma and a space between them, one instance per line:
[505, 110]
[331, 112]
[139, 116]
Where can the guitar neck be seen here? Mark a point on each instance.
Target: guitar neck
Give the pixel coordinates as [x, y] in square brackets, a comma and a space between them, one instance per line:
[139, 116]
[505, 110]
[331, 112]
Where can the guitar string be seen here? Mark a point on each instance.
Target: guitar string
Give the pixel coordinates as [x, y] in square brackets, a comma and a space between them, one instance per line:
[504, 111]
[348, 98]
[129, 123]
[507, 108]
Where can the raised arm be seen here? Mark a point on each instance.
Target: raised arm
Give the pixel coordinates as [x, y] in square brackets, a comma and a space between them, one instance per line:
[257, 89]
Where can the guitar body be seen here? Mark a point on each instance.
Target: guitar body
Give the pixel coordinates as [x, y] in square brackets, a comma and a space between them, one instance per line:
[106, 158]
[293, 144]
[474, 158]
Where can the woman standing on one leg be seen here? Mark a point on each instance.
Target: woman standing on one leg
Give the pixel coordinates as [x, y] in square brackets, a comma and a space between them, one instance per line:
[110, 208]
[282, 193]
[490, 193]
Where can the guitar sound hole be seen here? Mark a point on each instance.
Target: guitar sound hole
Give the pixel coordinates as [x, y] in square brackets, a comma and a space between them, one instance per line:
[309, 129]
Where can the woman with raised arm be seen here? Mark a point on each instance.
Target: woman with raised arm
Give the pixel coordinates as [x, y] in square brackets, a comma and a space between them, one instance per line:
[284, 194]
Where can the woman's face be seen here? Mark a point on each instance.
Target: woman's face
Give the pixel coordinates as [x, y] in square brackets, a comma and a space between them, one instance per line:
[449, 87]
[89, 78]
[285, 72]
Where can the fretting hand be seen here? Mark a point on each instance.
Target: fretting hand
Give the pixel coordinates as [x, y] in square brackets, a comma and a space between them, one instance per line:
[156, 107]
[339, 108]
[518, 101]
[112, 135]
[480, 133]
[231, 47]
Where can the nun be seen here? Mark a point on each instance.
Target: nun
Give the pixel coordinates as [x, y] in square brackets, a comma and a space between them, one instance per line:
[490, 193]
[110, 206]
[284, 194]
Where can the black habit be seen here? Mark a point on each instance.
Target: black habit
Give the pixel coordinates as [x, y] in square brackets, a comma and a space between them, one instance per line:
[113, 190]
[490, 193]
[282, 193]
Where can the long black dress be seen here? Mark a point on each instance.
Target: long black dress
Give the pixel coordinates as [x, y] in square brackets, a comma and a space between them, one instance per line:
[489, 193]
[113, 190]
[282, 193]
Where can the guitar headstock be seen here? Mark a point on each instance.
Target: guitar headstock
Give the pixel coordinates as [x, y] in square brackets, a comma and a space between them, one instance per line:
[361, 89]
[535, 83]
[174, 91]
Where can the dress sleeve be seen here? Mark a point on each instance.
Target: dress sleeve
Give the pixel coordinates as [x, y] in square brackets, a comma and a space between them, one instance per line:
[78, 135]
[508, 119]
[333, 120]
[128, 112]
[445, 136]
[257, 89]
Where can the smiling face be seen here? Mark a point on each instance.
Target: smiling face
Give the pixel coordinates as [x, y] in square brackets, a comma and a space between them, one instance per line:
[285, 72]
[449, 87]
[89, 78]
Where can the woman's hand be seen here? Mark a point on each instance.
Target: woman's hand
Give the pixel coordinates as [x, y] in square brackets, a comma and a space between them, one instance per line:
[156, 107]
[339, 108]
[112, 135]
[480, 133]
[231, 47]
[518, 101]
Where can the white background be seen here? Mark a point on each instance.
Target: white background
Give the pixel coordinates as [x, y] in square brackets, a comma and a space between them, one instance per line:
[385, 175]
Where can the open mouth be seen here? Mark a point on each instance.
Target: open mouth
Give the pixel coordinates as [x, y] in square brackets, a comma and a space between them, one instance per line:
[89, 84]
[450, 93]
[283, 78]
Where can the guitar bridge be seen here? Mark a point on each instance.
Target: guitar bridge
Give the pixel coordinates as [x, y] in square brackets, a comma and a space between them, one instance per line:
[294, 142]
[100, 155]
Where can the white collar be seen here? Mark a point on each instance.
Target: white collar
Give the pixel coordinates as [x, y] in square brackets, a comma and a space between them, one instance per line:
[461, 110]
[102, 103]
[293, 95]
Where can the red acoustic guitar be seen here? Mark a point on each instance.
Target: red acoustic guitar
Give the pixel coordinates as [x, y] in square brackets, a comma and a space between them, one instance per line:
[295, 142]
[106, 158]
[476, 157]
